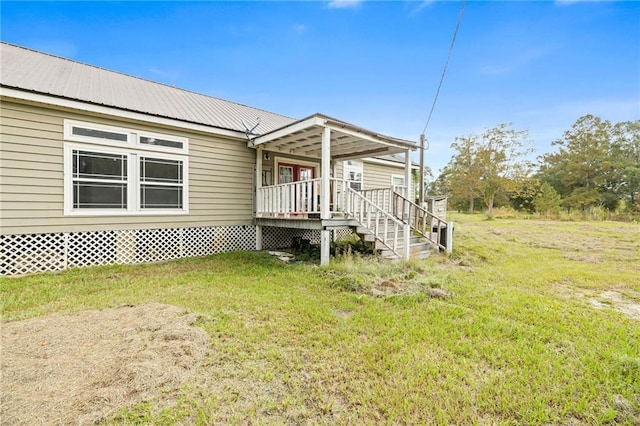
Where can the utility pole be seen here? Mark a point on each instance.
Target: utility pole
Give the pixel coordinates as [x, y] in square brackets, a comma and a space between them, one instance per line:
[421, 193]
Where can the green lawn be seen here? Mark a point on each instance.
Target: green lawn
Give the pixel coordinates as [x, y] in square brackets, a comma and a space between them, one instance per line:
[538, 328]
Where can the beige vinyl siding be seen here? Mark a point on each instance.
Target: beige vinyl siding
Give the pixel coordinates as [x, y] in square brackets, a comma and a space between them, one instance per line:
[375, 175]
[32, 187]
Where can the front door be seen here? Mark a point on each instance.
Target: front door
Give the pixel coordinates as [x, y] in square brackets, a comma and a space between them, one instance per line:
[301, 198]
[288, 173]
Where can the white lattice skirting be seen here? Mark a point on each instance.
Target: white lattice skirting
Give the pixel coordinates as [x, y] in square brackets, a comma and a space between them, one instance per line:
[31, 253]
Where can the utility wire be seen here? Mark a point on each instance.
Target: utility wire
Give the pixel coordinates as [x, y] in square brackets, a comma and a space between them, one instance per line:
[446, 64]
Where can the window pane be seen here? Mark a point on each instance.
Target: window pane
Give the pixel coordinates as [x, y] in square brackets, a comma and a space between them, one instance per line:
[397, 180]
[306, 174]
[101, 134]
[160, 142]
[160, 197]
[98, 195]
[95, 165]
[158, 170]
[286, 174]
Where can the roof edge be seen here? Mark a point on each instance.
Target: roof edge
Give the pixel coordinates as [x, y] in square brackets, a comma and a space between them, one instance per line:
[64, 102]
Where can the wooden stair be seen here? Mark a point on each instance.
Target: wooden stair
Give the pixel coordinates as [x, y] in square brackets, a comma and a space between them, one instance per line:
[383, 216]
[420, 248]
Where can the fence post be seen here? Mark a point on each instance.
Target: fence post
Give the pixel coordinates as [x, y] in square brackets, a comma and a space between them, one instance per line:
[406, 236]
[450, 238]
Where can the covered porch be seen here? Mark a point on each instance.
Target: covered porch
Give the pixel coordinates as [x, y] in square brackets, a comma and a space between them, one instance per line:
[325, 202]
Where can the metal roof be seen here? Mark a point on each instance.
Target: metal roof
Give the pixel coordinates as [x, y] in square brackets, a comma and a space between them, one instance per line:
[36, 72]
[304, 137]
[29, 70]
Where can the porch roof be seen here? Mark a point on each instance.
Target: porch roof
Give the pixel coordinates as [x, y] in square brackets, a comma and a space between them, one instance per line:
[304, 138]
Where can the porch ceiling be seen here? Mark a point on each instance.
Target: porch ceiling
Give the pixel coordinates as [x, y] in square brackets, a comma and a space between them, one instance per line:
[304, 138]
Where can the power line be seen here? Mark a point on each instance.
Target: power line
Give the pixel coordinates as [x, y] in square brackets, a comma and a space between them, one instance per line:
[446, 64]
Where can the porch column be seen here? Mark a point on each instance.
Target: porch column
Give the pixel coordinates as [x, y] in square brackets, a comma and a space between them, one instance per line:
[325, 213]
[258, 202]
[407, 174]
[407, 227]
[325, 172]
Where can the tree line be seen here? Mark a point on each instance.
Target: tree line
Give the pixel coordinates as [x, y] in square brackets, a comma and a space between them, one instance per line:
[596, 165]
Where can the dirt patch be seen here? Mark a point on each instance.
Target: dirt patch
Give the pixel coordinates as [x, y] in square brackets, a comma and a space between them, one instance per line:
[617, 301]
[80, 368]
[587, 258]
[625, 303]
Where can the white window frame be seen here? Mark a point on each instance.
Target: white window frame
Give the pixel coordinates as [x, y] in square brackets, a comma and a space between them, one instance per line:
[133, 137]
[68, 180]
[349, 166]
[400, 177]
[133, 151]
[278, 160]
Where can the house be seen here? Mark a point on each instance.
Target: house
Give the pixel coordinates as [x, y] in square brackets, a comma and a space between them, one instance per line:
[98, 167]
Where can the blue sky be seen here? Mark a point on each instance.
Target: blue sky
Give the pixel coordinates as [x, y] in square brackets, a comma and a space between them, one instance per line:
[539, 65]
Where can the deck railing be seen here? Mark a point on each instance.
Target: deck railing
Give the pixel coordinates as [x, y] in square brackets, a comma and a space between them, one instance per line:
[382, 197]
[289, 199]
[386, 229]
[423, 222]
[297, 199]
[386, 213]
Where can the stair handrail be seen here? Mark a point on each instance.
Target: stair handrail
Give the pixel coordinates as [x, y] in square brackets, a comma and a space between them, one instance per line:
[371, 216]
[420, 219]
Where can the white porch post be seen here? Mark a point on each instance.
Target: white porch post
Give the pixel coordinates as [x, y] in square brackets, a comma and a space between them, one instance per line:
[407, 174]
[406, 234]
[258, 202]
[325, 167]
[258, 180]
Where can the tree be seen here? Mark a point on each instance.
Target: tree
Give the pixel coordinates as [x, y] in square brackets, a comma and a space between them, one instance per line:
[547, 201]
[597, 164]
[523, 197]
[488, 165]
[464, 172]
[426, 183]
[626, 149]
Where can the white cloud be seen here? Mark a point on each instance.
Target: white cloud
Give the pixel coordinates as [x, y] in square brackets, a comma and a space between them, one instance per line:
[517, 61]
[421, 5]
[344, 4]
[299, 28]
[572, 2]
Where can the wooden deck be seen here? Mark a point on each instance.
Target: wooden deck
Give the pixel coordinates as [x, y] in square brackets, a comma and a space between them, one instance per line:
[381, 215]
[307, 223]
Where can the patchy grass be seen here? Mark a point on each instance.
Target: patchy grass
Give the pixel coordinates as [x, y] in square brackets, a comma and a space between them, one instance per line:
[518, 339]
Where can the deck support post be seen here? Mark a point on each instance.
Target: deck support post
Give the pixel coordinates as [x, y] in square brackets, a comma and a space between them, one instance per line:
[258, 237]
[325, 247]
[406, 238]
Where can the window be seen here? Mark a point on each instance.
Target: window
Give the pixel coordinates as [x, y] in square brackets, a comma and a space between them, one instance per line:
[121, 179]
[398, 183]
[99, 180]
[353, 173]
[108, 135]
[160, 183]
[147, 140]
[100, 134]
[285, 174]
[397, 180]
